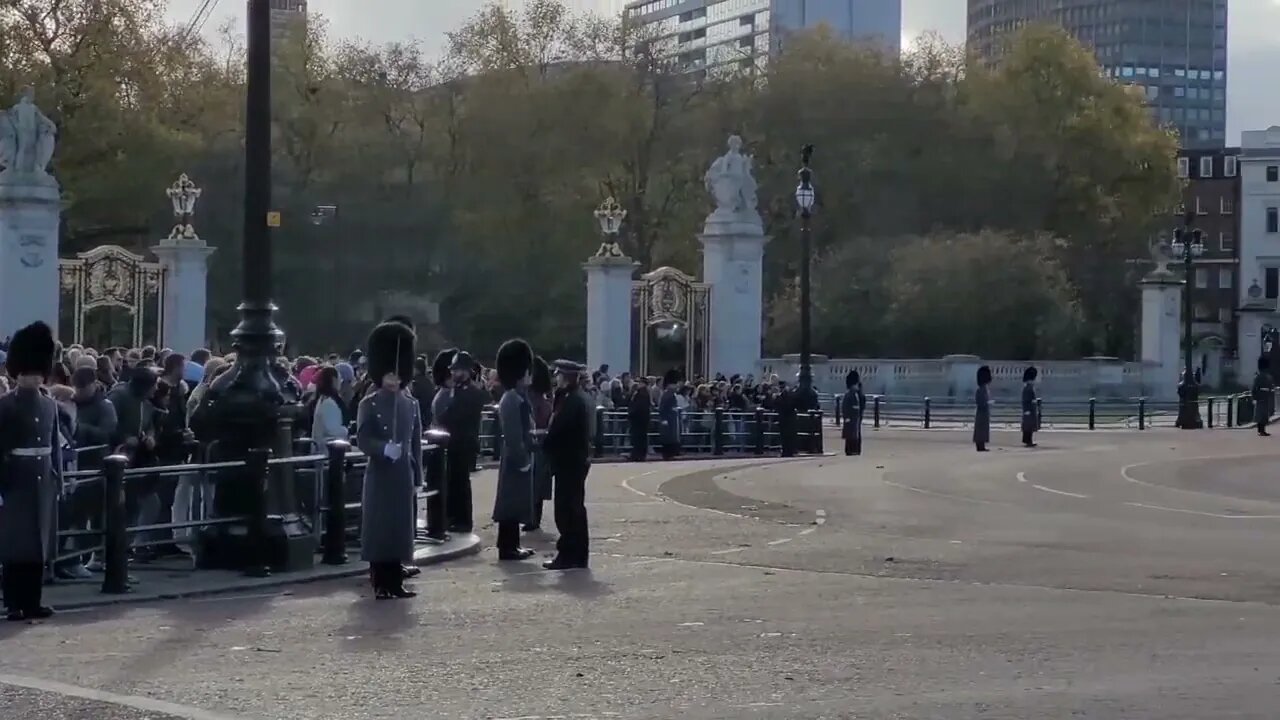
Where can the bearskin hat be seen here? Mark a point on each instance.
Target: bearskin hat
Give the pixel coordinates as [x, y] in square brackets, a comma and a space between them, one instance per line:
[513, 361]
[402, 319]
[440, 367]
[984, 375]
[540, 383]
[32, 350]
[671, 377]
[391, 350]
[851, 379]
[1030, 374]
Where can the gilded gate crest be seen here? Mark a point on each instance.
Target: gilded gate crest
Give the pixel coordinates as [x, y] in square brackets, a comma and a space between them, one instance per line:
[669, 298]
[110, 276]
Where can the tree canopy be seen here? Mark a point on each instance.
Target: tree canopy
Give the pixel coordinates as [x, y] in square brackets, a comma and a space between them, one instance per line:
[948, 191]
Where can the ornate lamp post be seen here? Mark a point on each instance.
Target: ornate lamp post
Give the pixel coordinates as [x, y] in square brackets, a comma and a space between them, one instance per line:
[183, 194]
[610, 216]
[1188, 244]
[244, 407]
[806, 197]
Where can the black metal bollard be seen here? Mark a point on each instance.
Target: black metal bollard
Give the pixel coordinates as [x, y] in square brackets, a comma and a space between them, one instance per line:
[1210, 413]
[335, 518]
[875, 407]
[435, 469]
[817, 436]
[115, 527]
[1093, 412]
[257, 475]
[759, 435]
[1231, 411]
[927, 407]
[1142, 413]
[598, 441]
[717, 432]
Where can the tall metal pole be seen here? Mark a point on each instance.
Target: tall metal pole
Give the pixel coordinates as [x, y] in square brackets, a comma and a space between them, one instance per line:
[1189, 389]
[805, 196]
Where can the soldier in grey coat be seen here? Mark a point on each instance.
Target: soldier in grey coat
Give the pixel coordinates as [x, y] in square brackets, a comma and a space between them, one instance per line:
[389, 432]
[982, 410]
[30, 473]
[513, 505]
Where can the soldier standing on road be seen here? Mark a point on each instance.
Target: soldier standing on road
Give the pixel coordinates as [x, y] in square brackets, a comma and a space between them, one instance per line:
[389, 432]
[982, 410]
[30, 473]
[513, 505]
[462, 419]
[1264, 395]
[540, 402]
[669, 416]
[851, 406]
[639, 410]
[1030, 418]
[568, 450]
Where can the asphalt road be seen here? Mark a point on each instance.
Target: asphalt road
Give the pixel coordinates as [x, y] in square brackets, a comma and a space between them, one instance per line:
[1102, 575]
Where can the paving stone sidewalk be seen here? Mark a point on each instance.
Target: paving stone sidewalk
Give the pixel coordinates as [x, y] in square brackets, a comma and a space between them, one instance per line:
[176, 578]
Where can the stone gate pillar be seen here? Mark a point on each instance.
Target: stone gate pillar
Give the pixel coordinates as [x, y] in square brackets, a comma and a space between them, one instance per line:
[1162, 331]
[184, 257]
[609, 309]
[30, 207]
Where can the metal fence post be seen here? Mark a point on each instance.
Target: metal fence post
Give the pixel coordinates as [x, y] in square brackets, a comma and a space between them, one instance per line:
[435, 468]
[817, 426]
[600, 432]
[257, 475]
[1142, 413]
[759, 438]
[335, 517]
[875, 406]
[927, 403]
[1039, 413]
[717, 432]
[1231, 411]
[115, 530]
[1093, 413]
[1209, 414]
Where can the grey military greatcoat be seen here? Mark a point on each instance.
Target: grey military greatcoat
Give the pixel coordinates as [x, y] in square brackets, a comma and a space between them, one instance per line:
[514, 502]
[390, 487]
[30, 476]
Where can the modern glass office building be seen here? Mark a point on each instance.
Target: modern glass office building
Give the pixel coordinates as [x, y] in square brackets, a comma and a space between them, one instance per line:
[1175, 50]
[708, 34]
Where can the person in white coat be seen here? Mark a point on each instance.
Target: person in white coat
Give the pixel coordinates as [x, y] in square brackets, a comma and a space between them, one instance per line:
[328, 420]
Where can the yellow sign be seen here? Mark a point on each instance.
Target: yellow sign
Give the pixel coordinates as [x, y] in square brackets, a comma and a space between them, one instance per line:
[273, 219]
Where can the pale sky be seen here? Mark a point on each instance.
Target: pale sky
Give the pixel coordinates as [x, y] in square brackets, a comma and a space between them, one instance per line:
[1253, 101]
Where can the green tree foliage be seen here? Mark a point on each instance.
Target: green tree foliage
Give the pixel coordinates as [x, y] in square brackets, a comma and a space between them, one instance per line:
[469, 179]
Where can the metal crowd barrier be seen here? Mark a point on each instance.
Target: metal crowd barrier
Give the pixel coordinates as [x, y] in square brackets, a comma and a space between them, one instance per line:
[113, 532]
[1091, 413]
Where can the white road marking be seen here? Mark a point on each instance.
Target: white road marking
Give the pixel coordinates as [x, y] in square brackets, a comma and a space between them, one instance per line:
[1022, 477]
[1184, 511]
[821, 513]
[780, 542]
[727, 551]
[626, 482]
[806, 531]
[949, 496]
[135, 702]
[1059, 492]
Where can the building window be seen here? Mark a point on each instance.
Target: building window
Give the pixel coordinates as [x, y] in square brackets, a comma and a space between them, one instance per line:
[1226, 242]
[1225, 278]
[1184, 167]
[1206, 167]
[1202, 278]
[1229, 166]
[1224, 315]
[1200, 209]
[1273, 173]
[1272, 283]
[1201, 312]
[1273, 220]
[1227, 205]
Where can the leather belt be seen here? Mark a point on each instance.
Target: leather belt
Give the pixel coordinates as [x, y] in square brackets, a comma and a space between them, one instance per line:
[31, 452]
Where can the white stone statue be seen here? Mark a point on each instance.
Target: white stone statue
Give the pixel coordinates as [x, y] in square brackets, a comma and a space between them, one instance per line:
[27, 140]
[731, 185]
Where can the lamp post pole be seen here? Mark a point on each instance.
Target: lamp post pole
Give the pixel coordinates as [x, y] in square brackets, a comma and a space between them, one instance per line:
[805, 196]
[321, 216]
[1187, 242]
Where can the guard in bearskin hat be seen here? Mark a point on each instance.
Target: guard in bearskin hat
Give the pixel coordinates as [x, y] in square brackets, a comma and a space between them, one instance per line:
[30, 473]
[852, 404]
[540, 401]
[461, 417]
[513, 505]
[1030, 409]
[568, 452]
[389, 432]
[1264, 396]
[444, 384]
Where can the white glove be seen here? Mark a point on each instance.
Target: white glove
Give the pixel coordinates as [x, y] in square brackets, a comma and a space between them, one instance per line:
[392, 451]
[527, 468]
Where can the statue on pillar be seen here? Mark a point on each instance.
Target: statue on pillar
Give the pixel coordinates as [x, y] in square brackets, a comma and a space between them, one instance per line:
[27, 141]
[731, 184]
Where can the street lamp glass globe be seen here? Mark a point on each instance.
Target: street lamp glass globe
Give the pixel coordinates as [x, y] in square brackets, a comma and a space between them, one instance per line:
[804, 196]
[1197, 246]
[1177, 247]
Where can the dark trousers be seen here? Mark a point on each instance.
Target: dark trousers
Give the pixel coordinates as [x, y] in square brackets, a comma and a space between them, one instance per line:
[852, 440]
[459, 514]
[508, 537]
[787, 436]
[1263, 420]
[639, 440]
[386, 576]
[571, 514]
[537, 513]
[23, 586]
[1028, 437]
